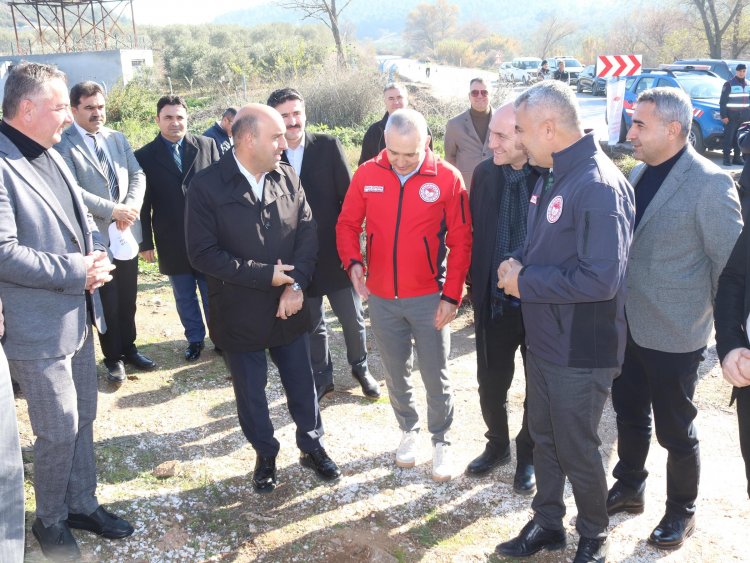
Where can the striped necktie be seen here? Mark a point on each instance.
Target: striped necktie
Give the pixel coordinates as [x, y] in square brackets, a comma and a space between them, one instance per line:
[107, 169]
[176, 156]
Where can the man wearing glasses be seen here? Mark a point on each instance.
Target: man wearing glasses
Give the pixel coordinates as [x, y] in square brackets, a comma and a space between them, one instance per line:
[466, 134]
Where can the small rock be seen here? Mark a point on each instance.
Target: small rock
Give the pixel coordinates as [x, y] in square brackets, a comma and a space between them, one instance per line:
[157, 302]
[252, 528]
[166, 469]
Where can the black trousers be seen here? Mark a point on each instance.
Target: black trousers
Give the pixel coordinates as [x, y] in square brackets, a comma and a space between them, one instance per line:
[249, 377]
[665, 382]
[118, 303]
[497, 342]
[729, 141]
[742, 396]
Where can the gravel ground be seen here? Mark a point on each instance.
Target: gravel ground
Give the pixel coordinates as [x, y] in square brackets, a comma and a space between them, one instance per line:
[182, 418]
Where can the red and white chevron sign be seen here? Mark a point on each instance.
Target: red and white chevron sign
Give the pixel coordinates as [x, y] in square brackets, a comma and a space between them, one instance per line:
[618, 65]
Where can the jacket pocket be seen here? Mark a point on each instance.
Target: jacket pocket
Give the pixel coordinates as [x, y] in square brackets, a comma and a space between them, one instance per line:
[429, 259]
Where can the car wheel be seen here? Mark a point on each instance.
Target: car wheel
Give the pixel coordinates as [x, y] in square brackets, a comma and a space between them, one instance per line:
[525, 80]
[696, 138]
[594, 89]
[579, 88]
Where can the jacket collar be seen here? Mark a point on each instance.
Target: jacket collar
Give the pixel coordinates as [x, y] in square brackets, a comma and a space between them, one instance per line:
[569, 158]
[240, 187]
[428, 168]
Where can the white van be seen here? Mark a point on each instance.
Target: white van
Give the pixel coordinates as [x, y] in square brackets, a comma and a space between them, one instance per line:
[523, 69]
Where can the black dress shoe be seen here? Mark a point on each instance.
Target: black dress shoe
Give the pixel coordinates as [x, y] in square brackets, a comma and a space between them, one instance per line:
[115, 371]
[532, 538]
[101, 522]
[622, 498]
[487, 461]
[323, 391]
[264, 474]
[143, 363]
[591, 550]
[193, 351]
[57, 542]
[672, 531]
[524, 481]
[323, 465]
[370, 387]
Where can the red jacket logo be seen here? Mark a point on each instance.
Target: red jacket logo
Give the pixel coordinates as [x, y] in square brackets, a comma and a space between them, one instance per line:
[554, 209]
[429, 192]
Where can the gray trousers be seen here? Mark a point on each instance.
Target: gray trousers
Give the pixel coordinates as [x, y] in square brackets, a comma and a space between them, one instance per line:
[394, 322]
[11, 473]
[565, 405]
[61, 394]
[347, 307]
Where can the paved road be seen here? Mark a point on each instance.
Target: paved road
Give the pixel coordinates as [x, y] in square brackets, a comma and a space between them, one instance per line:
[447, 82]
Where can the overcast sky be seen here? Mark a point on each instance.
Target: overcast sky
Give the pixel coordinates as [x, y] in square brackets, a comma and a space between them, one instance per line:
[164, 12]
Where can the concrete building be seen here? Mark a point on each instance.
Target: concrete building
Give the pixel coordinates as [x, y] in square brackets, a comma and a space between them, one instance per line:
[105, 67]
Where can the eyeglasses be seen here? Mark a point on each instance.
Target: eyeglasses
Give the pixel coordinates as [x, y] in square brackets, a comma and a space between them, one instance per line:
[477, 93]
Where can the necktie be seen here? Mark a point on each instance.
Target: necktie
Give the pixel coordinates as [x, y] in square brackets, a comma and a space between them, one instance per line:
[176, 156]
[107, 169]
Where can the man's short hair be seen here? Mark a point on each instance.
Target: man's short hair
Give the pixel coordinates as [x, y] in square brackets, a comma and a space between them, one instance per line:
[84, 90]
[552, 97]
[248, 123]
[170, 100]
[394, 86]
[405, 121]
[229, 112]
[670, 104]
[282, 95]
[25, 81]
[477, 79]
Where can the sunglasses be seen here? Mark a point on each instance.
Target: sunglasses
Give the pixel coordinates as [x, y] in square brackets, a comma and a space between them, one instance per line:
[477, 93]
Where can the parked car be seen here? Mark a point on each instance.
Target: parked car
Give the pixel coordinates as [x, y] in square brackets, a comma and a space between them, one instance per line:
[704, 89]
[588, 80]
[505, 71]
[723, 68]
[572, 66]
[522, 69]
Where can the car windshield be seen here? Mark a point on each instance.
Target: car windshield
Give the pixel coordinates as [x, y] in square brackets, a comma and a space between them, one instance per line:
[530, 64]
[571, 62]
[701, 87]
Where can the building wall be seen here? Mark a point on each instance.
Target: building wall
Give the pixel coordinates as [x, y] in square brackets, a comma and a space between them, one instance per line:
[105, 67]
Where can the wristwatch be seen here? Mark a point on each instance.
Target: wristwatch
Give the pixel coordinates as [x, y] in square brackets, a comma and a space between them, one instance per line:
[296, 287]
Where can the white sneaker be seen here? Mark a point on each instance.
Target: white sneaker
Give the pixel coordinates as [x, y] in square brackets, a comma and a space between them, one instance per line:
[406, 453]
[442, 468]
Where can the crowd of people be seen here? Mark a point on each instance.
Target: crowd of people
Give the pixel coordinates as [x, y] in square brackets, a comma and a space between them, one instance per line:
[607, 285]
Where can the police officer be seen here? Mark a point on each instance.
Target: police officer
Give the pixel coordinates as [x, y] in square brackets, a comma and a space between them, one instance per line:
[734, 107]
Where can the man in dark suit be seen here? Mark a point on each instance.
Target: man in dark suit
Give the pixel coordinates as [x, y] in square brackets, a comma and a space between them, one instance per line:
[113, 192]
[687, 219]
[221, 131]
[250, 230]
[320, 163]
[53, 262]
[499, 202]
[170, 161]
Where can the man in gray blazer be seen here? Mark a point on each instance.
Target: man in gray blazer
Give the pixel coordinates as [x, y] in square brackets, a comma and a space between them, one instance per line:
[53, 262]
[466, 137]
[687, 221]
[113, 185]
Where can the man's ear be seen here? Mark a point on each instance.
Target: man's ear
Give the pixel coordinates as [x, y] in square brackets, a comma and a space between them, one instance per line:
[427, 142]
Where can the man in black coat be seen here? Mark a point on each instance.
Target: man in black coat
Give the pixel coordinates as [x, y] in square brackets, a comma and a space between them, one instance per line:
[170, 161]
[499, 198]
[395, 97]
[221, 131]
[250, 230]
[320, 163]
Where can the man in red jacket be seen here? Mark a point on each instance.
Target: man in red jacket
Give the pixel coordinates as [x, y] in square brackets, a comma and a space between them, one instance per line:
[417, 209]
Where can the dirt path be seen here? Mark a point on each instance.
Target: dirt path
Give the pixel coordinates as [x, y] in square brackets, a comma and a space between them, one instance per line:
[376, 512]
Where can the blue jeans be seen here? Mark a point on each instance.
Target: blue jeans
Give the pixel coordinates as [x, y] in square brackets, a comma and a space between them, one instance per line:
[186, 299]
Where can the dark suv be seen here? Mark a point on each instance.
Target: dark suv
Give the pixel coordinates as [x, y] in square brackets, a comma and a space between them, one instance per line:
[588, 80]
[723, 68]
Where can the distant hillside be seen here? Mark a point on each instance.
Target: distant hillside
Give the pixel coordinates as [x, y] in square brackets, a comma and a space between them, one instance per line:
[375, 19]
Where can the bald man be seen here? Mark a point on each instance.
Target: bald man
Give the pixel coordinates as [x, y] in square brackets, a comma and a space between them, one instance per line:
[250, 230]
[499, 202]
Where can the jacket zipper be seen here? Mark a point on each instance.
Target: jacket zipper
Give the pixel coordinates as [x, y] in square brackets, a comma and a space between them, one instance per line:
[395, 239]
[586, 234]
[429, 258]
